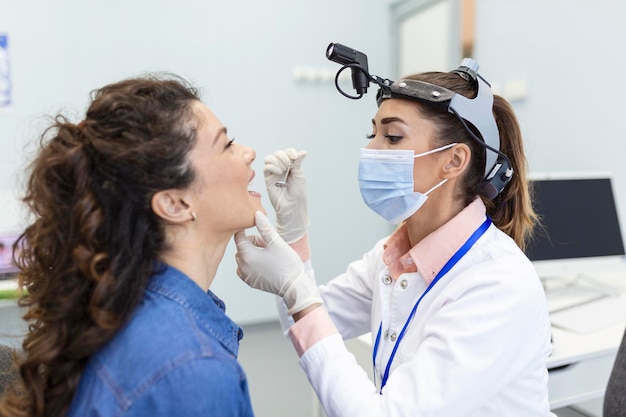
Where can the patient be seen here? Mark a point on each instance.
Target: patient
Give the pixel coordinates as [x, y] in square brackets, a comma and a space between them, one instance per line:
[132, 210]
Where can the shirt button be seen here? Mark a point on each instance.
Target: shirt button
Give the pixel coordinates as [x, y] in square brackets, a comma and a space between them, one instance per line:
[386, 334]
[386, 280]
[403, 284]
[393, 337]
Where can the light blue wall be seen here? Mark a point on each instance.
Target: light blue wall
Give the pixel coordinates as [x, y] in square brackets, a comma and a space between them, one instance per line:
[243, 53]
[571, 53]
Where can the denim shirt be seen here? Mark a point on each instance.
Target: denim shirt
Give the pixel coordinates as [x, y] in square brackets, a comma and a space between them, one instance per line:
[177, 356]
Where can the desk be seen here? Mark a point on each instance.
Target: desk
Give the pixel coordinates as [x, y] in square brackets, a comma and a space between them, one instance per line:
[580, 364]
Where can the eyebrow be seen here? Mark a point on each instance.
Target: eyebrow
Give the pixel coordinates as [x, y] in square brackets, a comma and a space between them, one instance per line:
[222, 131]
[387, 120]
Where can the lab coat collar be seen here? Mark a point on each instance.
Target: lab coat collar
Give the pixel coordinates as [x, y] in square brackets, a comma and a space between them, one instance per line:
[432, 253]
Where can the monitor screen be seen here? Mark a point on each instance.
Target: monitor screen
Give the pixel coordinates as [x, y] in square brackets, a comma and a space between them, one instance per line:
[579, 220]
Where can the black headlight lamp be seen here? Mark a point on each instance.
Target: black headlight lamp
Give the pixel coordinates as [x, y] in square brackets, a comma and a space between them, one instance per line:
[477, 111]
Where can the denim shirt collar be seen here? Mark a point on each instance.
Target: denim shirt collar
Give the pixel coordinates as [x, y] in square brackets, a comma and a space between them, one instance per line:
[209, 311]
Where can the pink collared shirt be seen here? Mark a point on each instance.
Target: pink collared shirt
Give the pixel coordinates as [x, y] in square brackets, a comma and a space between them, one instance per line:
[432, 253]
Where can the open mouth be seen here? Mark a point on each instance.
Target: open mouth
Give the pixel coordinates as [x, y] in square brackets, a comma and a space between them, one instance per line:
[252, 192]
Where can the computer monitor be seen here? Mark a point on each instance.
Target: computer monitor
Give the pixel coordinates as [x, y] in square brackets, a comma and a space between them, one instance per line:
[579, 219]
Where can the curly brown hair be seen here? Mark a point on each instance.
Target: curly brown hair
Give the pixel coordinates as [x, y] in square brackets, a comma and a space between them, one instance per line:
[512, 209]
[93, 241]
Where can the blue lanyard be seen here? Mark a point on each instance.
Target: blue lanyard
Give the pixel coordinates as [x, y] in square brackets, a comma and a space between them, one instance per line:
[451, 262]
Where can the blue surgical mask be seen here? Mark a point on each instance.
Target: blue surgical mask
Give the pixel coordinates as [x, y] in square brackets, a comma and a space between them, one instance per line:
[386, 182]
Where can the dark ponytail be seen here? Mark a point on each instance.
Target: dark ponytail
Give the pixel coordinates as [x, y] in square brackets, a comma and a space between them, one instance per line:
[512, 210]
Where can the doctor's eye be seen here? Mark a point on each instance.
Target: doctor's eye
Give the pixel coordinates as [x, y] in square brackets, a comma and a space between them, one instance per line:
[393, 139]
[370, 136]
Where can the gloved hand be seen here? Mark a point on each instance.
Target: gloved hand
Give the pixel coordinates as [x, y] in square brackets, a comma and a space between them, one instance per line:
[273, 266]
[290, 200]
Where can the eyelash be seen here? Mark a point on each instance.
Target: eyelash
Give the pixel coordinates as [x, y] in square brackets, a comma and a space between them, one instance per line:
[390, 138]
[230, 142]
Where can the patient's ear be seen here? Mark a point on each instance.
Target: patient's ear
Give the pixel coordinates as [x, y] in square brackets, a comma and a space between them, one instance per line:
[170, 205]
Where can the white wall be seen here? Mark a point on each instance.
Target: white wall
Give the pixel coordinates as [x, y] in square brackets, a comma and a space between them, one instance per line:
[243, 53]
[571, 54]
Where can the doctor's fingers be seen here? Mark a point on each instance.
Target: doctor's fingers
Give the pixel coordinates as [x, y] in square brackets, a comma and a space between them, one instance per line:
[283, 158]
[242, 241]
[258, 241]
[297, 158]
[290, 156]
[274, 165]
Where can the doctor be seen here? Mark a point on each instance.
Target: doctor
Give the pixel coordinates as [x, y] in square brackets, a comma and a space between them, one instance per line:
[457, 313]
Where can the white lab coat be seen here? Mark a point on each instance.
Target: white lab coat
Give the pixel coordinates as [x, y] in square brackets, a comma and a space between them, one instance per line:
[477, 345]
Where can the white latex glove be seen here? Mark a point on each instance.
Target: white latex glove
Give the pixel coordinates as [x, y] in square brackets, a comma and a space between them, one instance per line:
[273, 266]
[290, 200]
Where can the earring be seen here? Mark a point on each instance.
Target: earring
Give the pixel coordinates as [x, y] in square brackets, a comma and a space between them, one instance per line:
[193, 216]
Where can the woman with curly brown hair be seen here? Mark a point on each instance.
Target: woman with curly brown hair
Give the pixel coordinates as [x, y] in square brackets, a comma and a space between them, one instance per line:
[132, 209]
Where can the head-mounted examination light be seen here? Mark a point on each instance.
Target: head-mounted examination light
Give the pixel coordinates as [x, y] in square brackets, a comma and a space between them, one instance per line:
[354, 59]
[476, 111]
